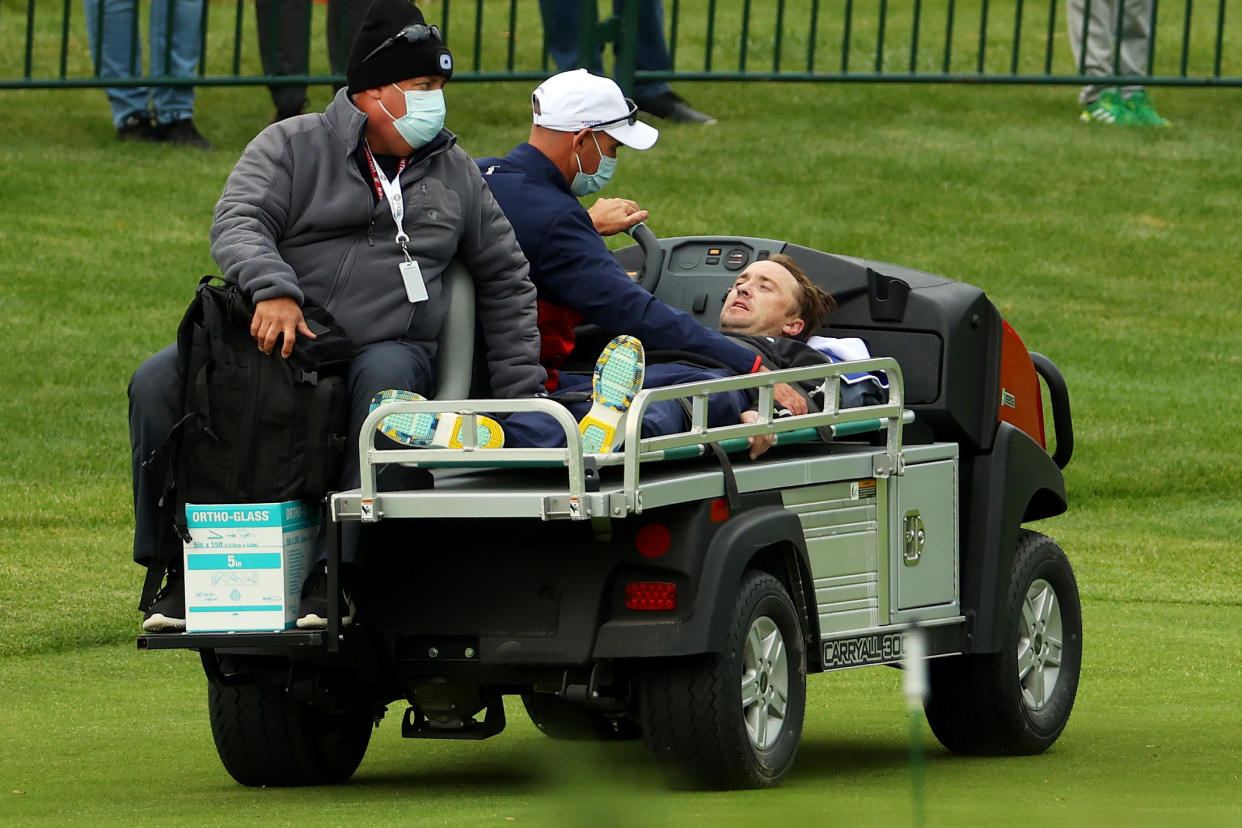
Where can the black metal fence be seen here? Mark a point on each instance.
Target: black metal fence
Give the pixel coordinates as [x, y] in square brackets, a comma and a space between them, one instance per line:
[44, 43]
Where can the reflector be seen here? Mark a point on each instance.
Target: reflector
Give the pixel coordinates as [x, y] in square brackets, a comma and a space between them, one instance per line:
[653, 540]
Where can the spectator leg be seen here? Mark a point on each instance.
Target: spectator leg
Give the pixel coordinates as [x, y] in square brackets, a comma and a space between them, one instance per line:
[284, 47]
[176, 44]
[1102, 27]
[1135, 40]
[651, 49]
[562, 26]
[112, 30]
[344, 20]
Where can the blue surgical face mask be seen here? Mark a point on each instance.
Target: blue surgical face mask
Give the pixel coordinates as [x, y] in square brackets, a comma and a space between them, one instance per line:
[423, 118]
[587, 183]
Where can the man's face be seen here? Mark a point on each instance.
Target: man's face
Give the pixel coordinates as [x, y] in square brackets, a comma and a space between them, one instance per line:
[762, 302]
[591, 147]
[423, 83]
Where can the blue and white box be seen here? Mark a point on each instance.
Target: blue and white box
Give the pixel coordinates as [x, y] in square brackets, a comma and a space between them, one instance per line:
[245, 563]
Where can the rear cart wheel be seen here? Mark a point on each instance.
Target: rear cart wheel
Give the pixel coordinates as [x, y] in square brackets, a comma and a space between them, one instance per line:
[1016, 700]
[733, 719]
[266, 738]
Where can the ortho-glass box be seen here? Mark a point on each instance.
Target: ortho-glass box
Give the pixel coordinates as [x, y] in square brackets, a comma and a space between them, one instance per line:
[245, 563]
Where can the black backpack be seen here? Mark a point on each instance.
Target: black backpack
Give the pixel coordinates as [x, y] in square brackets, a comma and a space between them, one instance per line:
[254, 427]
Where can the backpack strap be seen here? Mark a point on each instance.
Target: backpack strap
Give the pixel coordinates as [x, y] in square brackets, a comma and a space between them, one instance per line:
[172, 526]
[726, 465]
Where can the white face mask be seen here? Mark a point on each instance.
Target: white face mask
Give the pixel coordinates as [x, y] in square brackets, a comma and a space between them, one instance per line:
[423, 118]
[587, 183]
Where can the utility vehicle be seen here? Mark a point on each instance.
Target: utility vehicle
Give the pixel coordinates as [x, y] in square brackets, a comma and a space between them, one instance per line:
[680, 594]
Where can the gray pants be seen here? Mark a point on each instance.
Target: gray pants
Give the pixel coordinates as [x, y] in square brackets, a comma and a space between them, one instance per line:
[1102, 32]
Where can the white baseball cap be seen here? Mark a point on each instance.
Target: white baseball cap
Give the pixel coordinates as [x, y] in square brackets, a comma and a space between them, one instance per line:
[577, 100]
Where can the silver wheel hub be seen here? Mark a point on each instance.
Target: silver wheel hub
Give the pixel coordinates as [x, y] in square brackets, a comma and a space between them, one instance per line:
[765, 683]
[1040, 644]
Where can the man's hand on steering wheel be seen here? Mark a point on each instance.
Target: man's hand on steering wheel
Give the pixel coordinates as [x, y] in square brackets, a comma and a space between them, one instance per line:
[615, 215]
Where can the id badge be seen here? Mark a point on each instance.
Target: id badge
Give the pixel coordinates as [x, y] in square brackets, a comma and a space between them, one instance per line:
[412, 276]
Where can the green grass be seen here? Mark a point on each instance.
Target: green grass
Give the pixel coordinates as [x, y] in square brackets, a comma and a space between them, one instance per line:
[113, 736]
[1114, 252]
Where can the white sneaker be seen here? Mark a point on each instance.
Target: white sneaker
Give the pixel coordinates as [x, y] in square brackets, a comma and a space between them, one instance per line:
[441, 430]
[167, 611]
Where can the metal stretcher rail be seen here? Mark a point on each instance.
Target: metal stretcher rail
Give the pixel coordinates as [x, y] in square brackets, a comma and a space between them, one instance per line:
[572, 500]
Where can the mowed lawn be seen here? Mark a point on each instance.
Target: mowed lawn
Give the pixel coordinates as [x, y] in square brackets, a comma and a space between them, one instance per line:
[1114, 252]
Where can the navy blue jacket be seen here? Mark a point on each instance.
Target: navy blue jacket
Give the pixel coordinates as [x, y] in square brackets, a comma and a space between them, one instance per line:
[573, 268]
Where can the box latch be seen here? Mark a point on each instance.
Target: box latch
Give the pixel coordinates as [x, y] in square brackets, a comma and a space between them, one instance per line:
[916, 537]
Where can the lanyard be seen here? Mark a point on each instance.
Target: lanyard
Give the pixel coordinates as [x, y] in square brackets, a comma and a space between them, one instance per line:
[390, 191]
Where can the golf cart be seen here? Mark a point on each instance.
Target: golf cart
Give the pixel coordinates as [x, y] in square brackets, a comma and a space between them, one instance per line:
[681, 593]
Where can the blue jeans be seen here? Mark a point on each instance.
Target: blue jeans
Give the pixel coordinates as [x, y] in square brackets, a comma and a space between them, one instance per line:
[526, 430]
[112, 29]
[562, 22]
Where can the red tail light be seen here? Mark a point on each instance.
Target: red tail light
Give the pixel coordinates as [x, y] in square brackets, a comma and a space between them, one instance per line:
[650, 595]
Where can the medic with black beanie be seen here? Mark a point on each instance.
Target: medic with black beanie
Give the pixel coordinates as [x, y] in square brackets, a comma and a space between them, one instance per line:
[358, 209]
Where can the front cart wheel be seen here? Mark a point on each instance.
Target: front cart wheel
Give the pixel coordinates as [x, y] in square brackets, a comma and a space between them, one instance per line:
[265, 738]
[733, 719]
[1017, 700]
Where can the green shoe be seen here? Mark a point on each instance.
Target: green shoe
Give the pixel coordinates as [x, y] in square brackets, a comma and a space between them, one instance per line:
[1109, 108]
[1141, 110]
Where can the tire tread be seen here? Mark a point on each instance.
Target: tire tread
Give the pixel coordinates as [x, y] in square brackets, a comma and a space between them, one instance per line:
[975, 707]
[689, 712]
[264, 738]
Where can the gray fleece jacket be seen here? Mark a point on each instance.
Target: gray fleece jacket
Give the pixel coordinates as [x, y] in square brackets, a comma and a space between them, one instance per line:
[298, 219]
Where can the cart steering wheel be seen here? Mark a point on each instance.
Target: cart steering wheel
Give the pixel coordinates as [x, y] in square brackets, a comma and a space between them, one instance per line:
[653, 257]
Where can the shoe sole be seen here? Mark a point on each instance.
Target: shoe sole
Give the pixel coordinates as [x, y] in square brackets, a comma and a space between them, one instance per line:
[1103, 117]
[433, 430]
[617, 378]
[314, 621]
[159, 622]
[1146, 121]
[1123, 117]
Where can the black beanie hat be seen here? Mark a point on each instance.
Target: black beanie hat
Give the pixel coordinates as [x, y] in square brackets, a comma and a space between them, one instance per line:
[398, 60]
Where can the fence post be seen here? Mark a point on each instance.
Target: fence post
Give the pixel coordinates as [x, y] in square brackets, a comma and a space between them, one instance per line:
[618, 23]
[625, 42]
[590, 32]
[619, 30]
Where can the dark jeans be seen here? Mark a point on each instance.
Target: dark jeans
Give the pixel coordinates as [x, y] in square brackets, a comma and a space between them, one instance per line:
[526, 430]
[284, 41]
[561, 24]
[153, 412]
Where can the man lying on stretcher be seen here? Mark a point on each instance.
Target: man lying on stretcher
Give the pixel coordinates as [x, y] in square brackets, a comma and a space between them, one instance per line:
[772, 308]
